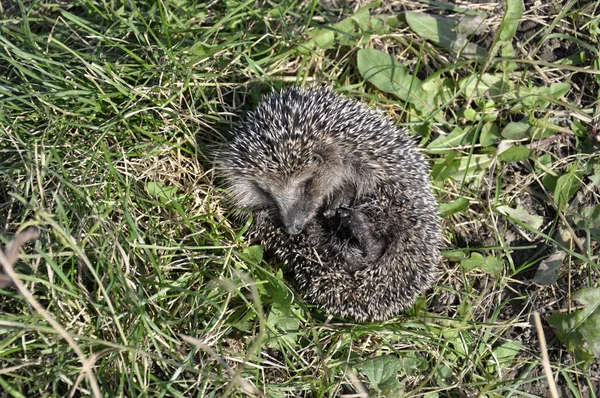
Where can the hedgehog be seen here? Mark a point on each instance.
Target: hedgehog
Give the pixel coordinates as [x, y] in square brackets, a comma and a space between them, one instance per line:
[339, 195]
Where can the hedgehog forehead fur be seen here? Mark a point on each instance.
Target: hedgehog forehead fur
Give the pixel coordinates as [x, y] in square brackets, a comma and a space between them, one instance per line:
[281, 133]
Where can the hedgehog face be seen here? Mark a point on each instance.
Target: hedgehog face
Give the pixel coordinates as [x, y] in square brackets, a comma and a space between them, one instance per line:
[292, 195]
[296, 197]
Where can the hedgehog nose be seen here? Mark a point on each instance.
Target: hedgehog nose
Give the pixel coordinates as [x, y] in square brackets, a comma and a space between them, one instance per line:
[295, 227]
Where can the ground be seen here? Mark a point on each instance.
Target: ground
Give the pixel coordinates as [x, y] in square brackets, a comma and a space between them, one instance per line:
[110, 112]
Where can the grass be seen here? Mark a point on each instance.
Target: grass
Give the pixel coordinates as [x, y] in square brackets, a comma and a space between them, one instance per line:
[108, 114]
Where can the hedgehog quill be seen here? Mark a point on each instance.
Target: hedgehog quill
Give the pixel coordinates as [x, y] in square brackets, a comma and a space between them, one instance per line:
[339, 195]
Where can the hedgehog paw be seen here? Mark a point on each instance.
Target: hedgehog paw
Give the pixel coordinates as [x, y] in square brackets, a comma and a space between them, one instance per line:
[340, 200]
[330, 212]
[371, 246]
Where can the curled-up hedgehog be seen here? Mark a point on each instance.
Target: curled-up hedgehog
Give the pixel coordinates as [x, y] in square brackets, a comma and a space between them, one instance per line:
[341, 196]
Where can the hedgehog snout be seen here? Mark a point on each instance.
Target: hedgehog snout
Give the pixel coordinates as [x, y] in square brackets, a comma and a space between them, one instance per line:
[294, 221]
[296, 204]
[295, 228]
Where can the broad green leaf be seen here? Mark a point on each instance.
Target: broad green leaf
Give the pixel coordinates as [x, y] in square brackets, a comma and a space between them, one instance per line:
[323, 38]
[460, 204]
[382, 373]
[343, 32]
[559, 90]
[550, 182]
[461, 341]
[278, 293]
[360, 19]
[549, 268]
[491, 114]
[436, 28]
[242, 319]
[521, 214]
[580, 129]
[470, 114]
[442, 168]
[281, 318]
[539, 96]
[472, 167]
[515, 153]
[393, 21]
[508, 51]
[460, 167]
[516, 131]
[514, 11]
[162, 192]
[476, 260]
[286, 325]
[388, 75]
[414, 363]
[443, 376]
[441, 30]
[566, 186]
[504, 355]
[457, 137]
[492, 86]
[441, 90]
[454, 255]
[489, 264]
[493, 266]
[588, 219]
[548, 179]
[580, 330]
[378, 25]
[253, 253]
[595, 178]
[489, 134]
[508, 28]
[545, 163]
[470, 25]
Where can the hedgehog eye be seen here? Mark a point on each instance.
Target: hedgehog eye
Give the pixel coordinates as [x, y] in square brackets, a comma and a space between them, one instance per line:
[316, 159]
[308, 186]
[262, 187]
[264, 193]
